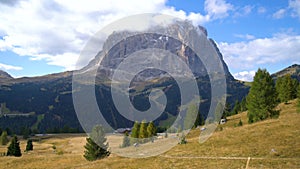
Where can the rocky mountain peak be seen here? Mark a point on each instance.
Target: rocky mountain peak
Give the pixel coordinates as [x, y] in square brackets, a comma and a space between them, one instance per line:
[119, 45]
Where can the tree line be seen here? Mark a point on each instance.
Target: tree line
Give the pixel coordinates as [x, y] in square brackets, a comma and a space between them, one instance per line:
[264, 95]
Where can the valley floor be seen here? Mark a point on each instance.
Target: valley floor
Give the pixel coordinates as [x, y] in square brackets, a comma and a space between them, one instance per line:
[273, 143]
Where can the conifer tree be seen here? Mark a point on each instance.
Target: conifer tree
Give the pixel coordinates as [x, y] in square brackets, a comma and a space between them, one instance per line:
[135, 133]
[96, 146]
[298, 98]
[286, 88]
[236, 108]
[201, 119]
[126, 140]
[151, 130]
[243, 105]
[3, 138]
[14, 148]
[143, 135]
[226, 111]
[261, 99]
[190, 117]
[29, 146]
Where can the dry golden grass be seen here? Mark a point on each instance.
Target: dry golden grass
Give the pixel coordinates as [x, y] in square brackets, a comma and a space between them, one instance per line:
[229, 148]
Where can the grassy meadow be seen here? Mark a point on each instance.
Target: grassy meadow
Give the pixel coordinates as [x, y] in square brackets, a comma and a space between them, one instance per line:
[273, 143]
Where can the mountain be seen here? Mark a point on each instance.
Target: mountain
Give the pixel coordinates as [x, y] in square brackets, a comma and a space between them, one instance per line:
[293, 70]
[4, 75]
[45, 103]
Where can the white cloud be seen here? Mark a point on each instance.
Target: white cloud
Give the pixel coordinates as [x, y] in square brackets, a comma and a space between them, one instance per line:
[56, 31]
[279, 14]
[217, 8]
[9, 67]
[243, 11]
[245, 75]
[248, 55]
[295, 6]
[247, 36]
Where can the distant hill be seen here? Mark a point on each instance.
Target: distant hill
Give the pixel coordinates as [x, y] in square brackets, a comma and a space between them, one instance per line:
[293, 70]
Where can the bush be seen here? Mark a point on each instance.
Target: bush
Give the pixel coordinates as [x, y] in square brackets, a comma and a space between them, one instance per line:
[240, 123]
[182, 139]
[3, 138]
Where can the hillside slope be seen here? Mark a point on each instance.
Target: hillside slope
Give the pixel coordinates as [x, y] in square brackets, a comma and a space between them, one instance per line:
[273, 143]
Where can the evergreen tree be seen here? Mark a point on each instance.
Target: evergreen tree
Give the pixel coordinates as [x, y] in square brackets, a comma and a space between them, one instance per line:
[14, 148]
[143, 135]
[135, 132]
[201, 119]
[298, 98]
[126, 140]
[218, 112]
[25, 132]
[243, 105]
[261, 99]
[226, 111]
[151, 130]
[236, 108]
[96, 146]
[29, 146]
[3, 138]
[286, 88]
[190, 117]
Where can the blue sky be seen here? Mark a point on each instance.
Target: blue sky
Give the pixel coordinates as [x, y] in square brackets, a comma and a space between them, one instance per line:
[42, 37]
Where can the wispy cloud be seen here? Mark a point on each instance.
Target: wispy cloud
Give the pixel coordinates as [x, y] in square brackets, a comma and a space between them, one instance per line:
[293, 10]
[247, 36]
[279, 14]
[217, 8]
[294, 5]
[9, 67]
[243, 11]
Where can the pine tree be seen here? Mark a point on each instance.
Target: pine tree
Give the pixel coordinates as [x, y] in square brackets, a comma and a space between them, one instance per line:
[182, 139]
[96, 146]
[29, 146]
[236, 108]
[190, 117]
[143, 135]
[298, 94]
[218, 112]
[3, 138]
[243, 105]
[135, 133]
[226, 111]
[201, 119]
[14, 148]
[151, 131]
[126, 140]
[286, 88]
[261, 99]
